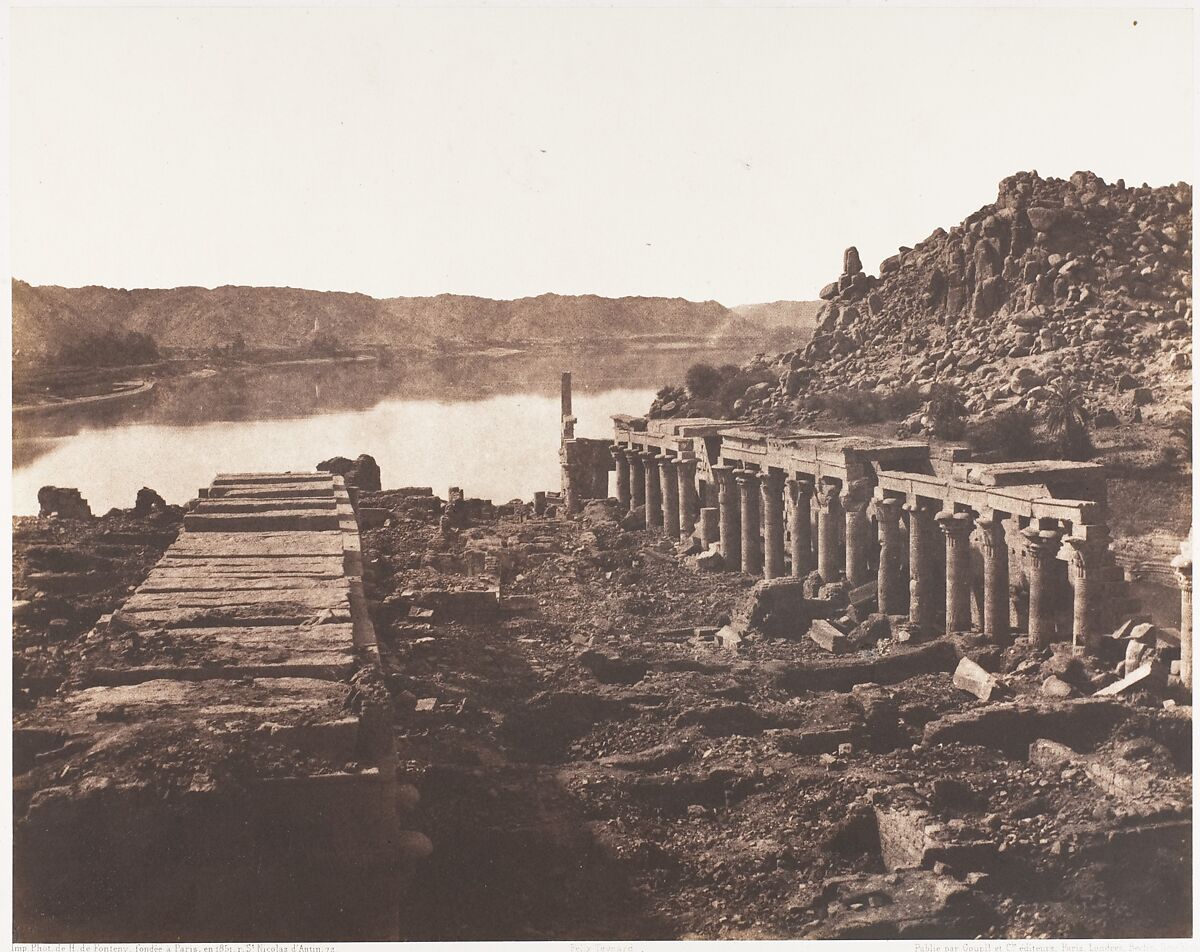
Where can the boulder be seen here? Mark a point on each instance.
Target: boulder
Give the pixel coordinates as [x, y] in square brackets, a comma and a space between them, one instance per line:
[65, 503]
[775, 607]
[361, 473]
[634, 519]
[851, 262]
[148, 501]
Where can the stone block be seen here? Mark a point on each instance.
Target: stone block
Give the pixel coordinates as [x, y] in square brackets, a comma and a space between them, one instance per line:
[1152, 675]
[828, 636]
[969, 676]
[775, 607]
[372, 518]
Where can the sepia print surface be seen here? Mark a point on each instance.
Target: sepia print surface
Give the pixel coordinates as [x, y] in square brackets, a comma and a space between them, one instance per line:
[601, 473]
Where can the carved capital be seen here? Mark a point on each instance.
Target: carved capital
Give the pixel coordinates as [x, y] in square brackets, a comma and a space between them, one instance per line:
[827, 495]
[1042, 545]
[956, 525]
[799, 490]
[772, 482]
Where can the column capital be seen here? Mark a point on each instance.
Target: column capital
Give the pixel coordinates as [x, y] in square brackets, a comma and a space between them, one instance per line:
[955, 524]
[667, 462]
[922, 507]
[798, 489]
[648, 456]
[1182, 564]
[747, 477]
[888, 509]
[1042, 543]
[990, 518]
[773, 480]
[687, 463]
[1086, 553]
[827, 493]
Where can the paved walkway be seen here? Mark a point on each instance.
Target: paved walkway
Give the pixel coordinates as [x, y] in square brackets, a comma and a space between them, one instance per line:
[265, 580]
[235, 654]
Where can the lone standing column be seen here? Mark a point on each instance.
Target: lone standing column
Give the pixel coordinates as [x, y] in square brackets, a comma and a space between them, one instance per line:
[731, 517]
[1182, 564]
[1088, 546]
[772, 507]
[857, 541]
[921, 562]
[995, 575]
[654, 515]
[670, 496]
[637, 478]
[747, 481]
[1043, 547]
[689, 504]
[800, 525]
[828, 513]
[890, 587]
[957, 529]
[622, 458]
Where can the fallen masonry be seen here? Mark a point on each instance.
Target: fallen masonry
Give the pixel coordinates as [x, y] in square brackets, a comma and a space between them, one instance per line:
[223, 766]
[609, 742]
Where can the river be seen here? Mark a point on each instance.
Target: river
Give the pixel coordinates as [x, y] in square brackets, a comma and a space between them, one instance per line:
[487, 423]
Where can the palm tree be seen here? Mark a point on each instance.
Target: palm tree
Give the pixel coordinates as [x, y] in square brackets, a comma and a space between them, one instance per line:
[1067, 421]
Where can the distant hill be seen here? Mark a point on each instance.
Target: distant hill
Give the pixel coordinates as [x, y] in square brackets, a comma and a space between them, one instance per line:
[789, 323]
[196, 319]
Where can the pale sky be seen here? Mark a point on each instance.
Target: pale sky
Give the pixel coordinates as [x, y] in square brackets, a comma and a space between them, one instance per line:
[705, 153]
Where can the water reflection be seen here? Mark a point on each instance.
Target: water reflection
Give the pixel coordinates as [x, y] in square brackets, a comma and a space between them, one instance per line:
[488, 423]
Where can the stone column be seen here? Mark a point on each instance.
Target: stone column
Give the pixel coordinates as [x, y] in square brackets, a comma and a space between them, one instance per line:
[828, 513]
[747, 481]
[890, 588]
[572, 498]
[995, 575]
[858, 525]
[637, 478]
[731, 517]
[921, 563]
[772, 500]
[1182, 564]
[1042, 545]
[800, 525]
[654, 516]
[709, 526]
[670, 496]
[1088, 546]
[689, 505]
[957, 528]
[623, 475]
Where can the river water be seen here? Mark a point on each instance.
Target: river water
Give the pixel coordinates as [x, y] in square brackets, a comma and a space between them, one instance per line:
[487, 423]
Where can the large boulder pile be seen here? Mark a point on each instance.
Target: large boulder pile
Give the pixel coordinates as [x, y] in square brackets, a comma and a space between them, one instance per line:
[1058, 281]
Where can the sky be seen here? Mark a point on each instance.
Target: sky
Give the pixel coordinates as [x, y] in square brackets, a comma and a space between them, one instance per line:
[727, 154]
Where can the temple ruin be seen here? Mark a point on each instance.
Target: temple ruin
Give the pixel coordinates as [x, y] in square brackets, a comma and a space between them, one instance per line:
[929, 534]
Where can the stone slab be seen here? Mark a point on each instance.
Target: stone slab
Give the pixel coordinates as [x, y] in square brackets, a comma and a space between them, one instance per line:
[273, 504]
[256, 544]
[183, 580]
[223, 479]
[280, 519]
[319, 566]
[1151, 674]
[209, 700]
[828, 637]
[271, 492]
[314, 598]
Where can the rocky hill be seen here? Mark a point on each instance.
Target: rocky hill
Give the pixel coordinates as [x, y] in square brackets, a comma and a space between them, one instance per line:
[1057, 281]
[196, 319]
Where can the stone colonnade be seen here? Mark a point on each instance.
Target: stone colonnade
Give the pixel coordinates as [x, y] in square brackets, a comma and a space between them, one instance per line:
[923, 566]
